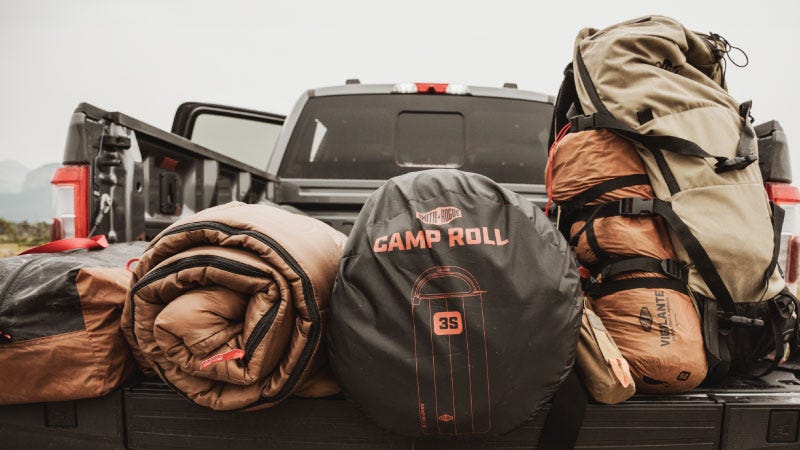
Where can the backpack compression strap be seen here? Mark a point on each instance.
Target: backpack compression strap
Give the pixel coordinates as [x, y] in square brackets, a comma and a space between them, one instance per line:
[604, 119]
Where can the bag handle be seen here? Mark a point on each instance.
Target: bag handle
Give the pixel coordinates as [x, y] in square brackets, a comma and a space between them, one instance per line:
[63, 245]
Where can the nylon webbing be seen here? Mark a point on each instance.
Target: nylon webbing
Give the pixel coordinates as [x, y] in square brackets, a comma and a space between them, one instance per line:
[697, 253]
[669, 267]
[636, 207]
[563, 422]
[612, 287]
[778, 215]
[596, 191]
[604, 119]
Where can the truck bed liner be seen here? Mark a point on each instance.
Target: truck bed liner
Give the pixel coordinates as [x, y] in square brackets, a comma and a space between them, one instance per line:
[147, 414]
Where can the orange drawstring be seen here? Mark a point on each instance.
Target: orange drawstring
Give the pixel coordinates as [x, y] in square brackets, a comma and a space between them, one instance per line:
[548, 179]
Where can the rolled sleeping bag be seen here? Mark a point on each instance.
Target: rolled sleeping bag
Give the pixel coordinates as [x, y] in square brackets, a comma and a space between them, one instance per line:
[647, 310]
[228, 306]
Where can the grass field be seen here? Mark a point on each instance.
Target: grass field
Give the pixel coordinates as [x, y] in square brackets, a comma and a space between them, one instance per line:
[11, 249]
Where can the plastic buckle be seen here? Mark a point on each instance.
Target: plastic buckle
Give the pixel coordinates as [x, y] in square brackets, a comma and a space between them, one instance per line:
[675, 270]
[735, 163]
[730, 319]
[635, 207]
[581, 123]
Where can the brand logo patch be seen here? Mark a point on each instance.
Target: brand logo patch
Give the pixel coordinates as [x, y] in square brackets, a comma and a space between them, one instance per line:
[447, 322]
[440, 215]
[446, 418]
[683, 376]
[645, 319]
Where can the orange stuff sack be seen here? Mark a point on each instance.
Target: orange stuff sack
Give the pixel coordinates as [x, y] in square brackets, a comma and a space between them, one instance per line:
[60, 335]
[639, 289]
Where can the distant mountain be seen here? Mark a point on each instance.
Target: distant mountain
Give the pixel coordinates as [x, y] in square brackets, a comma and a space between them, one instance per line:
[32, 200]
[39, 176]
[12, 175]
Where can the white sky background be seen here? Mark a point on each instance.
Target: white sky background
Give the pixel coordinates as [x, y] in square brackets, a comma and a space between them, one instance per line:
[144, 58]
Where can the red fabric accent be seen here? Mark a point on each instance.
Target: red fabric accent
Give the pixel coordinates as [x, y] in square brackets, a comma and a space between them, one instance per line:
[63, 245]
[231, 354]
[130, 263]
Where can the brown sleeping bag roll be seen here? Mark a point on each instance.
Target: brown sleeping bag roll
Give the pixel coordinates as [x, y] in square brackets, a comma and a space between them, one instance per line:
[641, 293]
[228, 307]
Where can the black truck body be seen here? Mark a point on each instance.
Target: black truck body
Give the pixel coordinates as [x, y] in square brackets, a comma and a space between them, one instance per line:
[334, 149]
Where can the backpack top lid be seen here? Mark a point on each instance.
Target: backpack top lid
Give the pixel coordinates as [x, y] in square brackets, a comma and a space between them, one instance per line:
[456, 309]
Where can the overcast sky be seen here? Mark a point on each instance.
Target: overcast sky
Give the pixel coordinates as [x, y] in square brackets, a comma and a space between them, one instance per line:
[144, 58]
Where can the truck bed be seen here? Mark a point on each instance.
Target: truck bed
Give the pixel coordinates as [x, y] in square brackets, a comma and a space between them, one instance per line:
[147, 415]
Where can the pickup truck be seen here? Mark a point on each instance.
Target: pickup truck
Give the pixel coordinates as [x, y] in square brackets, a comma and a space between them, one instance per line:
[129, 180]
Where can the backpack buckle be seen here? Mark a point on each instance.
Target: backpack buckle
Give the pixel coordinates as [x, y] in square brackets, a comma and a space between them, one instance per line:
[636, 207]
[736, 163]
[731, 319]
[675, 269]
[581, 123]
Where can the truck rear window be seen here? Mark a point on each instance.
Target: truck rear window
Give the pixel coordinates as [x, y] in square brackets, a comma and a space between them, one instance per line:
[378, 136]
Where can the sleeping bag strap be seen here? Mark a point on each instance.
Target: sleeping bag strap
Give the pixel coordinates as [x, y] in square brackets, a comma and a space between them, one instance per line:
[670, 267]
[598, 190]
[602, 289]
[563, 422]
[604, 119]
[643, 207]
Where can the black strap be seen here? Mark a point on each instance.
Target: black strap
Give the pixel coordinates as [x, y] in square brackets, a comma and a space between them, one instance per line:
[778, 215]
[634, 207]
[563, 422]
[604, 119]
[697, 253]
[611, 287]
[779, 312]
[596, 191]
[670, 267]
[591, 239]
[627, 207]
[744, 147]
[567, 104]
[715, 341]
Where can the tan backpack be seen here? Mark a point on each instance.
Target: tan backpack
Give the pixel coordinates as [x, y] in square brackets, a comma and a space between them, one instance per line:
[662, 87]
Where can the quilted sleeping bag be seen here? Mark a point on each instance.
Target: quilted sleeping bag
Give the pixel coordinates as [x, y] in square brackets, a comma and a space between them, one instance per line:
[228, 306]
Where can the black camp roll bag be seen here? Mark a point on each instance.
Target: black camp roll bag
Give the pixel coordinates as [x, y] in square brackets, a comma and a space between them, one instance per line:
[456, 309]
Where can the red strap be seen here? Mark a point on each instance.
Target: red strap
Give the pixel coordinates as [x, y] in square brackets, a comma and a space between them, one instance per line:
[63, 245]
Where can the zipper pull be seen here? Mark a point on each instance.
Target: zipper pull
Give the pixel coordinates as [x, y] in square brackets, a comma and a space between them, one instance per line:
[231, 354]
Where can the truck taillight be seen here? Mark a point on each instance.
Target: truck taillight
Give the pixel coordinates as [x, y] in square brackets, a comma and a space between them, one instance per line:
[430, 88]
[788, 197]
[70, 202]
